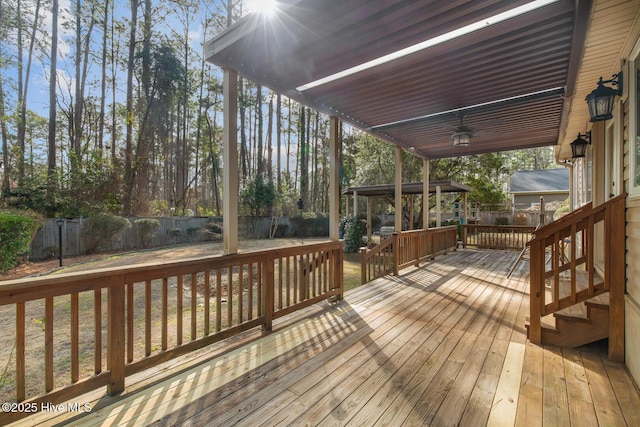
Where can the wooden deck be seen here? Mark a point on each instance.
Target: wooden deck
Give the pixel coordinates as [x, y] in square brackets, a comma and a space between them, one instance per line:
[443, 344]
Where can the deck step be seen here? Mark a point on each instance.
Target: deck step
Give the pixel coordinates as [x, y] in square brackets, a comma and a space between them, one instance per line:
[577, 325]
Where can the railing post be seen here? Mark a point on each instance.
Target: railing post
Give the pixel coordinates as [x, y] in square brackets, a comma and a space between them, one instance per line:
[363, 266]
[415, 241]
[269, 293]
[339, 271]
[464, 236]
[536, 273]
[115, 335]
[396, 252]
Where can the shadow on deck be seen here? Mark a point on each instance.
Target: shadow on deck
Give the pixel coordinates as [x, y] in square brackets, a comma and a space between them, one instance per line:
[443, 344]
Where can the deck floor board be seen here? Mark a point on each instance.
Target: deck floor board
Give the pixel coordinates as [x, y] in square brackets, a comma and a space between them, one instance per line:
[442, 344]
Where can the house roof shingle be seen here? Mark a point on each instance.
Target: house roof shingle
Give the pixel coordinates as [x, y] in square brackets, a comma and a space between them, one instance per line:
[539, 181]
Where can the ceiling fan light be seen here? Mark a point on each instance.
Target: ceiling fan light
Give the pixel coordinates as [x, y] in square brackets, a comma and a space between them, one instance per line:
[461, 139]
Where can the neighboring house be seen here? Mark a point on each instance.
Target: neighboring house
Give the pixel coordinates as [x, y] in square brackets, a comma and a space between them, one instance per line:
[526, 187]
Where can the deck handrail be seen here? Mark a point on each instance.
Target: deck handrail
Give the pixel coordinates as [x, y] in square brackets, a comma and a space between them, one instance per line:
[488, 236]
[404, 249]
[151, 313]
[564, 252]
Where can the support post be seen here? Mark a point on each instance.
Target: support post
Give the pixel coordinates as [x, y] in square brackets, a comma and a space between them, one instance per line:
[369, 231]
[425, 193]
[115, 335]
[355, 204]
[398, 190]
[334, 179]
[438, 206]
[230, 159]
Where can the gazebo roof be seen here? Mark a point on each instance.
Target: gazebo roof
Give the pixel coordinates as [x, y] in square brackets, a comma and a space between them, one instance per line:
[446, 186]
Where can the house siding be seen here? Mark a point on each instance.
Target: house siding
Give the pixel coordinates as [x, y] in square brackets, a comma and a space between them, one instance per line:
[632, 297]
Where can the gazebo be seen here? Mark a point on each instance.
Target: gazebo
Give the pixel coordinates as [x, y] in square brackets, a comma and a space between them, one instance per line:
[411, 188]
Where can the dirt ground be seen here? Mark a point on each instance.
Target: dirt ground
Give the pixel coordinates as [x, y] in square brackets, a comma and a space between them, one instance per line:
[173, 253]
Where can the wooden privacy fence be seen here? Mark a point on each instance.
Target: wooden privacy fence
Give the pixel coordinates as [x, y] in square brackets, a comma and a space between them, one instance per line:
[82, 331]
[404, 249]
[564, 256]
[496, 236]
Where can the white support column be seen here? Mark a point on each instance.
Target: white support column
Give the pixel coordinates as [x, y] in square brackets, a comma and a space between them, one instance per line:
[464, 218]
[230, 159]
[334, 179]
[411, 212]
[438, 207]
[369, 231]
[425, 192]
[398, 189]
[355, 204]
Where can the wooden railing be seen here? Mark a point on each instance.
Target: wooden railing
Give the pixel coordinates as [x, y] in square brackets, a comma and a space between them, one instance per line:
[404, 249]
[563, 267]
[80, 331]
[496, 236]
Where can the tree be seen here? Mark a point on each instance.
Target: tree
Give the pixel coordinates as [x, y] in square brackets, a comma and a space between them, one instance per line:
[259, 196]
[53, 99]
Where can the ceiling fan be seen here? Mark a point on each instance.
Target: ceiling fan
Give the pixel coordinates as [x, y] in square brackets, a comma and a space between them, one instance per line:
[462, 133]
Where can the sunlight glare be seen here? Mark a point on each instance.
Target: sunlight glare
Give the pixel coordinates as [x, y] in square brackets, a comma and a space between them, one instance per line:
[265, 7]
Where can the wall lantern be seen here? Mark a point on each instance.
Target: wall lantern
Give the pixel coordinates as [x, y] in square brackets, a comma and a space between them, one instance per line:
[600, 101]
[579, 145]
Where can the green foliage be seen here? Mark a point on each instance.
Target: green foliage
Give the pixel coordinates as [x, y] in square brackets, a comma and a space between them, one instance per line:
[259, 196]
[15, 234]
[352, 229]
[159, 208]
[175, 233]
[147, 227]
[102, 229]
[502, 221]
[192, 232]
[564, 208]
[486, 192]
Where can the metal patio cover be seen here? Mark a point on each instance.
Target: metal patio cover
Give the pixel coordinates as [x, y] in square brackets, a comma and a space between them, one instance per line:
[415, 101]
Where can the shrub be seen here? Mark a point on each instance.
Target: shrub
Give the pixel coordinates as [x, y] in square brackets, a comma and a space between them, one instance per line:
[502, 221]
[102, 229]
[175, 233]
[353, 228]
[15, 235]
[192, 232]
[147, 227]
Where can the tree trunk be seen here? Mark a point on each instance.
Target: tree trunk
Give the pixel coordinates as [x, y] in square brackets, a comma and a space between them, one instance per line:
[128, 153]
[51, 140]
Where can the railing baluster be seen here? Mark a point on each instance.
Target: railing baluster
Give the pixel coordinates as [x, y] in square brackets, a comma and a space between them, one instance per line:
[229, 297]
[218, 299]
[179, 309]
[20, 352]
[207, 302]
[147, 318]
[48, 344]
[165, 312]
[75, 338]
[97, 331]
[240, 292]
[250, 295]
[194, 306]
[130, 306]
